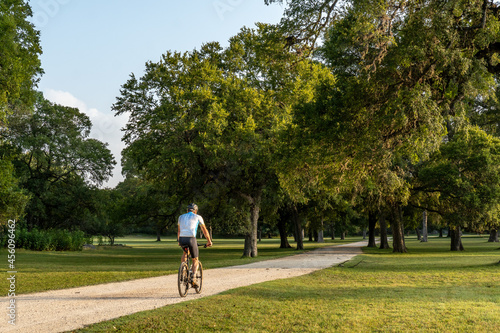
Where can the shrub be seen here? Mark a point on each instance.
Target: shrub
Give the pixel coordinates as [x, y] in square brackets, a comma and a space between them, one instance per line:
[22, 240]
[78, 239]
[48, 240]
[40, 240]
[62, 240]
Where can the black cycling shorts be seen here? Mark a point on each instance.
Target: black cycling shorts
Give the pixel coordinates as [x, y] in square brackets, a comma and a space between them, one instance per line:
[190, 242]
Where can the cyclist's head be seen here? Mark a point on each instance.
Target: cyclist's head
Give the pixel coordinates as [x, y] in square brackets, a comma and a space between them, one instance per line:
[193, 208]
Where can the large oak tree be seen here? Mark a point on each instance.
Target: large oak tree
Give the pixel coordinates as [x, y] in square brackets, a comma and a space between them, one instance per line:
[57, 163]
[206, 123]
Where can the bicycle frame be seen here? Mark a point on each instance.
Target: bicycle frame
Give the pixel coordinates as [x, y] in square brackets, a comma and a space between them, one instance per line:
[188, 256]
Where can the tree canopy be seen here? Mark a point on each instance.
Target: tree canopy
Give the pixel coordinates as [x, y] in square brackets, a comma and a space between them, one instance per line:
[19, 74]
[57, 162]
[19, 52]
[208, 121]
[407, 75]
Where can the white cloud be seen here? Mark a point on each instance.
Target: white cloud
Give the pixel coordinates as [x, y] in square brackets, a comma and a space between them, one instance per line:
[105, 127]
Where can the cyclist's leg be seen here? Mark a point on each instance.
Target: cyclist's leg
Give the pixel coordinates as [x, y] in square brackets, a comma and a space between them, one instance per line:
[185, 242]
[193, 248]
[184, 256]
[195, 266]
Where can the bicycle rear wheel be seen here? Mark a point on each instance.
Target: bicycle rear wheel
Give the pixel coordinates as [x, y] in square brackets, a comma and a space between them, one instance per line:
[183, 279]
[199, 278]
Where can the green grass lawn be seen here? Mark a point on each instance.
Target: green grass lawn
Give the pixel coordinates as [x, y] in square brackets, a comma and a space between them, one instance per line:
[142, 257]
[429, 289]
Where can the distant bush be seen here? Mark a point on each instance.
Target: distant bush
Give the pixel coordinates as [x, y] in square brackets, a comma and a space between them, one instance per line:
[47, 240]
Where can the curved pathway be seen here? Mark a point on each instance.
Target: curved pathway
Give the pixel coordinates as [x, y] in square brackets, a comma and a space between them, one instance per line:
[70, 309]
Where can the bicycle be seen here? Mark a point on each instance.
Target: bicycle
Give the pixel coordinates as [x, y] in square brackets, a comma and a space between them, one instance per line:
[185, 276]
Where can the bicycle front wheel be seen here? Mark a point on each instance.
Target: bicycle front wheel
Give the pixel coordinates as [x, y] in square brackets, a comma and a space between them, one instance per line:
[183, 279]
[199, 278]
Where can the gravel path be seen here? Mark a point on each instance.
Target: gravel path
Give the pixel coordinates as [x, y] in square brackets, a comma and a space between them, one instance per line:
[69, 309]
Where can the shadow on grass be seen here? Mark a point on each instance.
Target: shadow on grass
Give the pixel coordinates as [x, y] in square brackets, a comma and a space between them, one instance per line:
[437, 294]
[344, 284]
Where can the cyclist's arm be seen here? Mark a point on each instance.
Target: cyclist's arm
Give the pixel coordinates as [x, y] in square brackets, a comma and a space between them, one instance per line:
[207, 235]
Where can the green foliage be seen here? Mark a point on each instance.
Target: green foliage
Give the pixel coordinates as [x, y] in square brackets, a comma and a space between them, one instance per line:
[55, 142]
[108, 218]
[19, 71]
[486, 113]
[205, 124]
[19, 62]
[401, 72]
[306, 22]
[57, 163]
[47, 240]
[12, 199]
[139, 203]
[405, 78]
[466, 174]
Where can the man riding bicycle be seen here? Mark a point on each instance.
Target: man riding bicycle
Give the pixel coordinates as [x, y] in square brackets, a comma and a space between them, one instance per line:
[187, 226]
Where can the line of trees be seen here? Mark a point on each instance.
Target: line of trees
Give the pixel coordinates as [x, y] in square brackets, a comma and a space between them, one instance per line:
[345, 113]
[354, 108]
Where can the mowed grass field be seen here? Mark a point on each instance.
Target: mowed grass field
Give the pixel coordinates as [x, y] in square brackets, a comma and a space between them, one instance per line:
[429, 289]
[141, 257]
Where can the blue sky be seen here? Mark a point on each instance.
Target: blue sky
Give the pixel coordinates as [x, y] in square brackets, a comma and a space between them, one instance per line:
[91, 47]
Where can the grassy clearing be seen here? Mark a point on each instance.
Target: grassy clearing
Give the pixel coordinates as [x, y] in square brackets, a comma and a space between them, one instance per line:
[142, 257]
[429, 289]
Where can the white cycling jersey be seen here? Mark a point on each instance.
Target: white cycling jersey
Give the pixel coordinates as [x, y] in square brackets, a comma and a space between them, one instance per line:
[188, 224]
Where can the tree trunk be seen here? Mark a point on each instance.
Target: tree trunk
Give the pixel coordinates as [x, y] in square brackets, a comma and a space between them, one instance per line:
[321, 238]
[440, 232]
[419, 236]
[250, 249]
[342, 235]
[456, 239]
[320, 234]
[398, 242]
[247, 250]
[384, 243]
[372, 222]
[493, 236]
[425, 232]
[364, 233]
[333, 231]
[310, 234]
[298, 229]
[283, 234]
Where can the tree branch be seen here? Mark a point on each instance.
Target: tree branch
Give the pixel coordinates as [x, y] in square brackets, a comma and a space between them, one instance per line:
[427, 208]
[482, 25]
